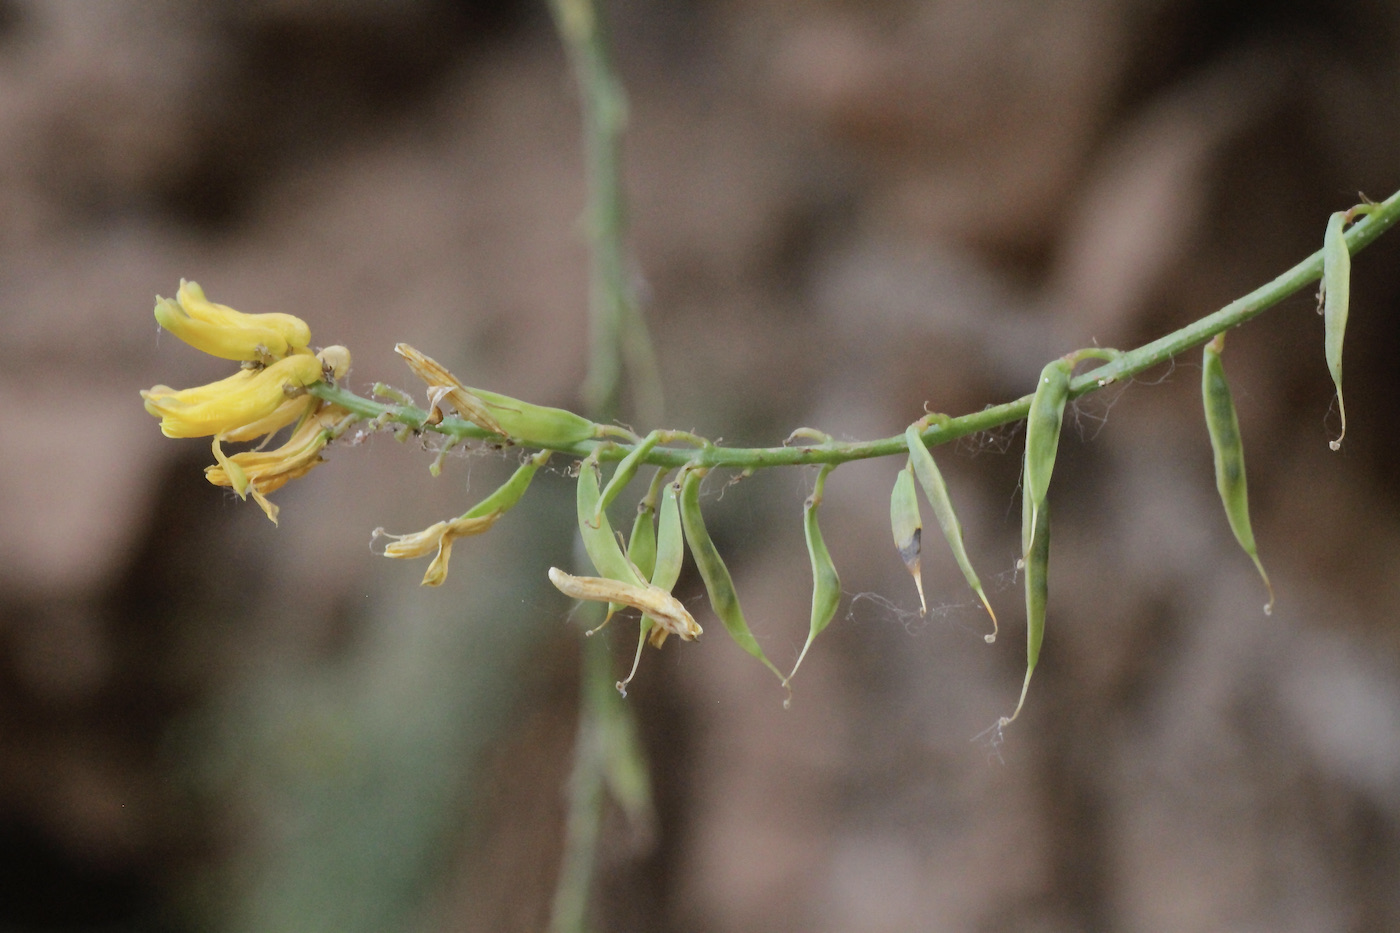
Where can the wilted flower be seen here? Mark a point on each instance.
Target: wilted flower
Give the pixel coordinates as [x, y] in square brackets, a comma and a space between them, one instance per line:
[261, 472]
[439, 536]
[663, 608]
[232, 335]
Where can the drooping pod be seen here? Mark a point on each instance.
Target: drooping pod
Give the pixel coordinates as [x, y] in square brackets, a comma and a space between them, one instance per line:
[1336, 291]
[598, 539]
[936, 491]
[907, 526]
[1043, 425]
[826, 583]
[719, 585]
[1223, 425]
[1035, 560]
[641, 543]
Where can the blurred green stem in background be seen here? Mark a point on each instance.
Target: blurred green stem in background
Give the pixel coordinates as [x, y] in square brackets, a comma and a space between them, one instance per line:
[608, 756]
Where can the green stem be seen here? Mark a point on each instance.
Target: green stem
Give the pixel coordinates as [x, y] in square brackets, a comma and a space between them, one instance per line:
[1381, 218]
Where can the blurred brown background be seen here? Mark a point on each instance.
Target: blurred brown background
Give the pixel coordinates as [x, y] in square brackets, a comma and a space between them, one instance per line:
[841, 212]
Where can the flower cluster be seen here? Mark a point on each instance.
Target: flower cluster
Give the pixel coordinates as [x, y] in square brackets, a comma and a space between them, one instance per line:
[268, 393]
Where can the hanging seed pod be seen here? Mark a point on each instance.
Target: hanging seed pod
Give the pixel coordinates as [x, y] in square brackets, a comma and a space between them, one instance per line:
[641, 544]
[670, 552]
[512, 489]
[1043, 424]
[719, 585]
[1224, 428]
[826, 583]
[1035, 535]
[1336, 290]
[907, 526]
[598, 539]
[936, 491]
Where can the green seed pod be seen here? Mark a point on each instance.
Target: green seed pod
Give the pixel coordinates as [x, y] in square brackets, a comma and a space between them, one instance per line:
[641, 544]
[537, 425]
[907, 525]
[511, 490]
[670, 553]
[1224, 428]
[936, 491]
[1035, 533]
[670, 542]
[1336, 290]
[719, 585]
[1043, 424]
[626, 469]
[598, 539]
[826, 584]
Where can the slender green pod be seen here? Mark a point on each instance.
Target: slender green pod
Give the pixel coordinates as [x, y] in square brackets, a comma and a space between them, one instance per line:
[641, 544]
[511, 490]
[670, 540]
[907, 526]
[627, 469]
[598, 539]
[670, 553]
[1224, 427]
[826, 583]
[719, 585]
[1035, 534]
[1336, 291]
[936, 491]
[1043, 425]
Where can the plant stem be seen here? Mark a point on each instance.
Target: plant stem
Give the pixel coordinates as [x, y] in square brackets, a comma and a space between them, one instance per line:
[1130, 363]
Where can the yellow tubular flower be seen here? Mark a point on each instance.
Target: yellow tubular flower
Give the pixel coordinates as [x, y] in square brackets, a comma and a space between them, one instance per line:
[439, 536]
[236, 402]
[231, 335]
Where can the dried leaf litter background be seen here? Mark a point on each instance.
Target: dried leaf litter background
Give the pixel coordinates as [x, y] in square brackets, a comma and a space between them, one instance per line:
[840, 212]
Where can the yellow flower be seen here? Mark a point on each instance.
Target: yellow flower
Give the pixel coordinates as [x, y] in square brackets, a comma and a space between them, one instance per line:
[231, 335]
[265, 471]
[236, 402]
[439, 536]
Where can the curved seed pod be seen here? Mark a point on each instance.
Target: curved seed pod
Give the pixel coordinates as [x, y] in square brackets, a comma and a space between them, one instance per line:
[1224, 428]
[1336, 290]
[907, 525]
[826, 583]
[1043, 424]
[599, 540]
[626, 469]
[1035, 533]
[719, 585]
[936, 491]
[512, 489]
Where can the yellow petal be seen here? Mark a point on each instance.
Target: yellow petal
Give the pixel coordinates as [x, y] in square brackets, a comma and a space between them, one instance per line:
[230, 404]
[223, 332]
